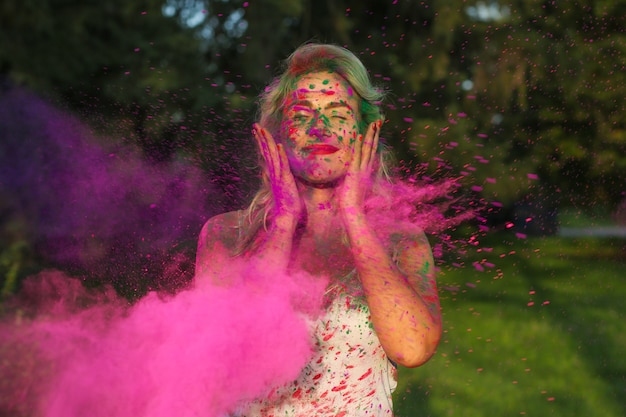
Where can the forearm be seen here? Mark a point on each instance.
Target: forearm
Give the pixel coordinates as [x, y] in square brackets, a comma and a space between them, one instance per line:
[407, 328]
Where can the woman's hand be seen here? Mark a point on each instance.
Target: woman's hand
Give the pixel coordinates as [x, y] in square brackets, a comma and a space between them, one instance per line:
[287, 201]
[357, 181]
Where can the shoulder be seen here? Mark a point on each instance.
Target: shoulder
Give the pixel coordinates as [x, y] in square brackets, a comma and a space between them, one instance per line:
[403, 239]
[216, 245]
[228, 220]
[412, 251]
[223, 228]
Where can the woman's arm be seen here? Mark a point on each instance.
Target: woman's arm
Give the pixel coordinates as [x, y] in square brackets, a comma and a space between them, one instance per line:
[402, 295]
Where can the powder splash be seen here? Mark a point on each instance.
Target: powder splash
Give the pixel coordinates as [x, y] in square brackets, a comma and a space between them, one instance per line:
[71, 352]
[201, 352]
[96, 207]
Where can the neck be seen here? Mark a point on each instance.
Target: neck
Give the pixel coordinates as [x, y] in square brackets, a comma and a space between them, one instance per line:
[319, 201]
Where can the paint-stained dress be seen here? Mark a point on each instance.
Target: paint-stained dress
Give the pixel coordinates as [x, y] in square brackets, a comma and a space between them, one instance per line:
[349, 375]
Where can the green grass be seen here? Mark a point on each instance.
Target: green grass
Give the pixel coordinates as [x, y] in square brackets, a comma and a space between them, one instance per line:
[542, 333]
[596, 216]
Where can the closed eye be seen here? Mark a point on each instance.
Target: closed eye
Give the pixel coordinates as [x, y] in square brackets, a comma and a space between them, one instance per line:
[300, 117]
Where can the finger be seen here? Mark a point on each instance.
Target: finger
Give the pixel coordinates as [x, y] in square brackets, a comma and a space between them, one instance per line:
[371, 138]
[357, 149]
[373, 156]
[279, 159]
[283, 161]
[270, 152]
[259, 142]
[262, 145]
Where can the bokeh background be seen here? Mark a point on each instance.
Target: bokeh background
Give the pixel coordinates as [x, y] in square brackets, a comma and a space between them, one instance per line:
[125, 125]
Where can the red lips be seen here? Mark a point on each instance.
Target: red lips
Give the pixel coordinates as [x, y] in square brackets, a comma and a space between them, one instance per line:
[320, 149]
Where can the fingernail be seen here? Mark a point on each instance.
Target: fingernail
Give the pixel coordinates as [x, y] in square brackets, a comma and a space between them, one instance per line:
[379, 123]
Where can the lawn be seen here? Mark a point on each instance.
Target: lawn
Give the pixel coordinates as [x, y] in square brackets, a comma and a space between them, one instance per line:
[541, 333]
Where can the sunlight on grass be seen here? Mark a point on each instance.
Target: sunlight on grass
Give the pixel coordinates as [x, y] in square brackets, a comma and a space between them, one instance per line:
[541, 333]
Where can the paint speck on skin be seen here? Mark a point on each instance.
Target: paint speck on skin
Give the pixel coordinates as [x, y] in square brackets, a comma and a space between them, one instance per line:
[425, 221]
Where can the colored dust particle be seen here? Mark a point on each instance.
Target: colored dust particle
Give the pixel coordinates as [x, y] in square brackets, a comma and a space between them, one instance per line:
[123, 210]
[102, 353]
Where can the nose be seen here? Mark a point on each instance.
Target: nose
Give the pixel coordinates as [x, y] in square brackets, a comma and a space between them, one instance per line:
[320, 127]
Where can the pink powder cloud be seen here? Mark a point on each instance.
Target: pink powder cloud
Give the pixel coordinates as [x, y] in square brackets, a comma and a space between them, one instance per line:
[200, 352]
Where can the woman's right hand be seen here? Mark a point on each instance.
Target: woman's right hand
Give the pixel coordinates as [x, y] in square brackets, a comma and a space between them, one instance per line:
[287, 201]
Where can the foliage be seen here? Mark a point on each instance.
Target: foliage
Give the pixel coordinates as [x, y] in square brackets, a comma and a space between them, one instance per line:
[523, 98]
[499, 91]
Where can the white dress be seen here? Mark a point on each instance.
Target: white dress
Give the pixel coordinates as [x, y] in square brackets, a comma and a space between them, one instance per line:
[349, 375]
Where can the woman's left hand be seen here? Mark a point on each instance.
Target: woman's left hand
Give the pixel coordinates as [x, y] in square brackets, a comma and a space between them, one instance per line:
[351, 193]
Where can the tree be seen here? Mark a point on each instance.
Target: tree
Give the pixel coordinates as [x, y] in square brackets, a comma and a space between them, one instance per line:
[516, 95]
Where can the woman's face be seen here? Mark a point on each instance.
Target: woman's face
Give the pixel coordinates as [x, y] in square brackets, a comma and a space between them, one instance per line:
[320, 126]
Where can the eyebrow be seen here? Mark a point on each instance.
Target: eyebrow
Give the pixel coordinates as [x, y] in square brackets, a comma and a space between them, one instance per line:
[329, 106]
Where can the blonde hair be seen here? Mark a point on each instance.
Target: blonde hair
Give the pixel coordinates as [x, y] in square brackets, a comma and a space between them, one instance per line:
[307, 59]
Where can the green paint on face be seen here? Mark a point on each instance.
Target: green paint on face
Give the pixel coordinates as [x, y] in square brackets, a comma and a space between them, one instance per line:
[311, 86]
[325, 82]
[325, 120]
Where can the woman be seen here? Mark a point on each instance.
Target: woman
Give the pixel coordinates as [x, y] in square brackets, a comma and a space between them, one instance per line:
[318, 135]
